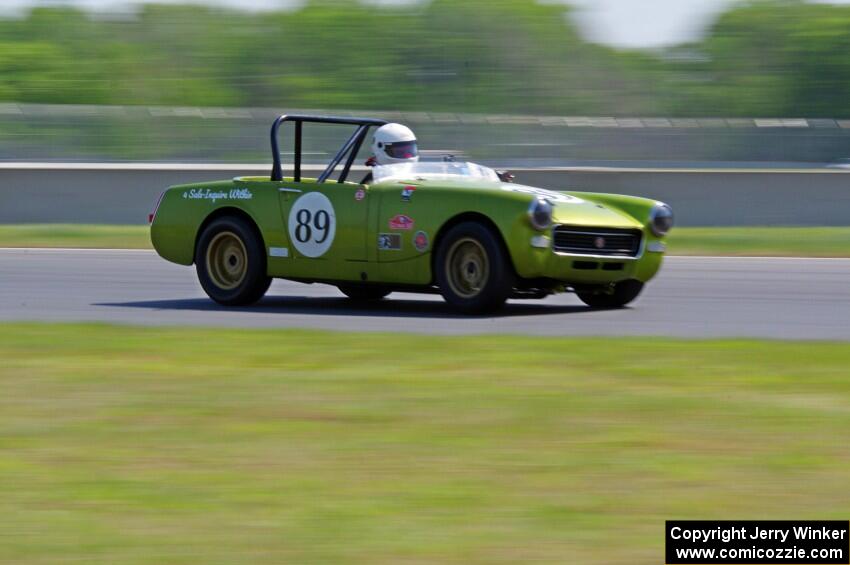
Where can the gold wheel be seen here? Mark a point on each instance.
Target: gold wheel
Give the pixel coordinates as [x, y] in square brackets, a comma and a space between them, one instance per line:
[227, 260]
[467, 267]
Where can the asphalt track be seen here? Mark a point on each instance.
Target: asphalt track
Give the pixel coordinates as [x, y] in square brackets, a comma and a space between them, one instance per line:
[692, 297]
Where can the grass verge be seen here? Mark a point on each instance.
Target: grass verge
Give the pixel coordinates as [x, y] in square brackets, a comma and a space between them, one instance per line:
[75, 235]
[762, 241]
[768, 241]
[126, 445]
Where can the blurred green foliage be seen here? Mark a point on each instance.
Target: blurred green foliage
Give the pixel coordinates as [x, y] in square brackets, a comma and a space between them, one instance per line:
[774, 57]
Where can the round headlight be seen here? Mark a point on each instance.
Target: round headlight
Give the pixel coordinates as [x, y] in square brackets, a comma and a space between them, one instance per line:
[661, 219]
[540, 214]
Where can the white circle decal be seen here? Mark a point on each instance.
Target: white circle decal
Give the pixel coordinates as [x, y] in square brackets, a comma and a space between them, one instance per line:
[312, 224]
[542, 192]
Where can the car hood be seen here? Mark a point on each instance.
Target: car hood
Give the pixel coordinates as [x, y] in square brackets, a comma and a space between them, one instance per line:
[571, 209]
[577, 211]
[587, 213]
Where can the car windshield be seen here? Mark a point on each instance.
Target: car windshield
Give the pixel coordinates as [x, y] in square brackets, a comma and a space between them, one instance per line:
[433, 170]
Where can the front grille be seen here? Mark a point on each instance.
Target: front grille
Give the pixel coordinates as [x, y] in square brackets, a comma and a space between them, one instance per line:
[597, 241]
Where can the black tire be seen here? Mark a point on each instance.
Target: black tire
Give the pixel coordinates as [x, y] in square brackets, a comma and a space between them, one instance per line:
[473, 269]
[615, 296]
[231, 262]
[364, 292]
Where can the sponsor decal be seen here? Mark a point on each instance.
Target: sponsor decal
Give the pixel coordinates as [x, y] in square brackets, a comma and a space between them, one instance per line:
[551, 195]
[360, 194]
[278, 252]
[420, 241]
[214, 195]
[401, 222]
[389, 241]
[407, 193]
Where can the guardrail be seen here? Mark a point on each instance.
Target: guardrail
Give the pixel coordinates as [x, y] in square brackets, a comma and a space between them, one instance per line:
[43, 132]
[268, 114]
[125, 193]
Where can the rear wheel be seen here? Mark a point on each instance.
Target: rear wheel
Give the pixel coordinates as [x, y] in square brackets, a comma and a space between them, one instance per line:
[472, 269]
[363, 292]
[613, 296]
[231, 262]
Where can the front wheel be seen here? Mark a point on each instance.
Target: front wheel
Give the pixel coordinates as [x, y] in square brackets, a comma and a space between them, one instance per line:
[473, 270]
[231, 263]
[614, 296]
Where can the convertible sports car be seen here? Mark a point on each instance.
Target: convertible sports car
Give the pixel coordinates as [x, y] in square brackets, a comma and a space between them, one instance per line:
[450, 227]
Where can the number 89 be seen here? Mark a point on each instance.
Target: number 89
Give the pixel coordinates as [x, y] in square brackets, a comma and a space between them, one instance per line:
[321, 223]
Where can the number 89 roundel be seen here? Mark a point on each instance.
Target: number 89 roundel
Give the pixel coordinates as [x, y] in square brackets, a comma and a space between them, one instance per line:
[312, 224]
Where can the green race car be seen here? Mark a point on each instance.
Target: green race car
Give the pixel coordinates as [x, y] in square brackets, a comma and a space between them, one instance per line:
[450, 227]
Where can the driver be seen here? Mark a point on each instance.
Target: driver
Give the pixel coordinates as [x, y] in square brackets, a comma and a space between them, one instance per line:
[392, 143]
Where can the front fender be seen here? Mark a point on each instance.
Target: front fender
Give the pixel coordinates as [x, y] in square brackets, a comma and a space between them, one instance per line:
[635, 206]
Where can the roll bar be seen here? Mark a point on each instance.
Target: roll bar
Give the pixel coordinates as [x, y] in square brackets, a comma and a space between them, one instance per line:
[351, 147]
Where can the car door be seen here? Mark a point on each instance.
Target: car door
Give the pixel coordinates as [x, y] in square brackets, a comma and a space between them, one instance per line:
[326, 226]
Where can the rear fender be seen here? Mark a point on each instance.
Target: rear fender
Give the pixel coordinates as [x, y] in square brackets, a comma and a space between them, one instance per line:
[186, 209]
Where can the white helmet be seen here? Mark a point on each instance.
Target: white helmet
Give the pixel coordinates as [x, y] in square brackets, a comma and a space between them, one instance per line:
[394, 143]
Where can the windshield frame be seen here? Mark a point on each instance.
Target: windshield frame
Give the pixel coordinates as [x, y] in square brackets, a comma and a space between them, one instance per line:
[430, 170]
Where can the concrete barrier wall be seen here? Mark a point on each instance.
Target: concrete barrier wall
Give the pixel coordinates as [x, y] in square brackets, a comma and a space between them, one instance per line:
[720, 198]
[125, 194]
[95, 194]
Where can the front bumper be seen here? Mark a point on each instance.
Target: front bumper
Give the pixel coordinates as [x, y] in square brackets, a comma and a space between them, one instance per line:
[543, 261]
[580, 268]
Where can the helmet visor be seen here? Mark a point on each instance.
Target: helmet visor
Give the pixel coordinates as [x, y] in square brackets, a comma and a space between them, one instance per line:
[402, 150]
